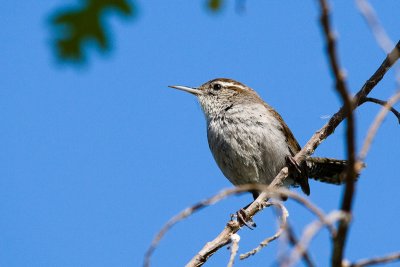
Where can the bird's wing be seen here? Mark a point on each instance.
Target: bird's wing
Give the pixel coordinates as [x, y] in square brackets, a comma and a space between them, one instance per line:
[300, 177]
[293, 145]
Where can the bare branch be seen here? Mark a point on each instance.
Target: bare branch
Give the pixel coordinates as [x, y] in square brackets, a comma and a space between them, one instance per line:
[381, 37]
[390, 59]
[293, 240]
[282, 227]
[231, 225]
[235, 238]
[311, 230]
[341, 87]
[383, 103]
[184, 214]
[379, 260]
[377, 122]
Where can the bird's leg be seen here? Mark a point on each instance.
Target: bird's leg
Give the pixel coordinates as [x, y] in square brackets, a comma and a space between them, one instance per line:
[299, 174]
[241, 214]
[243, 219]
[292, 165]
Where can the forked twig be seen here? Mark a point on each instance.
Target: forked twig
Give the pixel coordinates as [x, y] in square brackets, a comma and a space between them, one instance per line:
[182, 215]
[233, 224]
[381, 37]
[282, 228]
[293, 240]
[311, 230]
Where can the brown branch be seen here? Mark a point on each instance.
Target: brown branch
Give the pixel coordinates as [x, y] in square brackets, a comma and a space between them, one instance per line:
[390, 59]
[223, 238]
[381, 37]
[341, 87]
[282, 228]
[383, 103]
[182, 215]
[384, 259]
[232, 224]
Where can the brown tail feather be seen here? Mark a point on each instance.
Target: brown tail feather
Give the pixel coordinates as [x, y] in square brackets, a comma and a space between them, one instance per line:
[327, 170]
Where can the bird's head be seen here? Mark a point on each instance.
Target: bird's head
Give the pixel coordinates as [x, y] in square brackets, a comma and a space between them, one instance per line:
[221, 94]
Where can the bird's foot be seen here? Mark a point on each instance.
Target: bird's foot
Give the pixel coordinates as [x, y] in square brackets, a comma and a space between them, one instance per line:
[243, 219]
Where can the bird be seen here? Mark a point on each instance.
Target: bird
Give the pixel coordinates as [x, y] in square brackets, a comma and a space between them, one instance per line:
[250, 141]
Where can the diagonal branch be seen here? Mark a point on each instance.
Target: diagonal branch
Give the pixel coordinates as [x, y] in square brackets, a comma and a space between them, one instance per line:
[374, 261]
[377, 29]
[389, 61]
[233, 224]
[374, 24]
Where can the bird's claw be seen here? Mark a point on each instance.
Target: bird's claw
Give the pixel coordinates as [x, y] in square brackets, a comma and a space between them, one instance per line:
[243, 219]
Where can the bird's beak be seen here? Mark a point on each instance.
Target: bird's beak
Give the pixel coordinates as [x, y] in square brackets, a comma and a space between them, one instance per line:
[194, 91]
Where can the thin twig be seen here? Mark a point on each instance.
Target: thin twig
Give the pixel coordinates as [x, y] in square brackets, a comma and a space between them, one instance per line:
[223, 238]
[293, 240]
[383, 103]
[179, 217]
[381, 37]
[375, 125]
[309, 233]
[310, 206]
[379, 260]
[282, 227]
[235, 238]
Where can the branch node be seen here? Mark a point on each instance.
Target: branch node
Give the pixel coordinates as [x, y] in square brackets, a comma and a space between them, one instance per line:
[282, 227]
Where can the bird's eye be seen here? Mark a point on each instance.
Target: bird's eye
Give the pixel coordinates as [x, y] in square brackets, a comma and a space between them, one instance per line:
[217, 86]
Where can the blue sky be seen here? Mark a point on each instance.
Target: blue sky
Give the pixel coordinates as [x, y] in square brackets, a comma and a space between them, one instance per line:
[95, 159]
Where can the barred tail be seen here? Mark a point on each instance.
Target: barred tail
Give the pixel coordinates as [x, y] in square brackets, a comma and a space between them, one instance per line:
[327, 170]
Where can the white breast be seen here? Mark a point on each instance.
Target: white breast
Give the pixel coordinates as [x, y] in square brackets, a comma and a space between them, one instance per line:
[247, 143]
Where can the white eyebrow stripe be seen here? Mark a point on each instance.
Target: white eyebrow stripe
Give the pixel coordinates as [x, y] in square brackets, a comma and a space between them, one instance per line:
[226, 84]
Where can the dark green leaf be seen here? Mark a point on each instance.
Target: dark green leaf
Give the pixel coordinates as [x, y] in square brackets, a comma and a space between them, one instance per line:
[214, 4]
[75, 27]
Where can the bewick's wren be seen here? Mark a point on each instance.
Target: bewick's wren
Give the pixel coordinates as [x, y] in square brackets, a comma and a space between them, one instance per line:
[250, 141]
